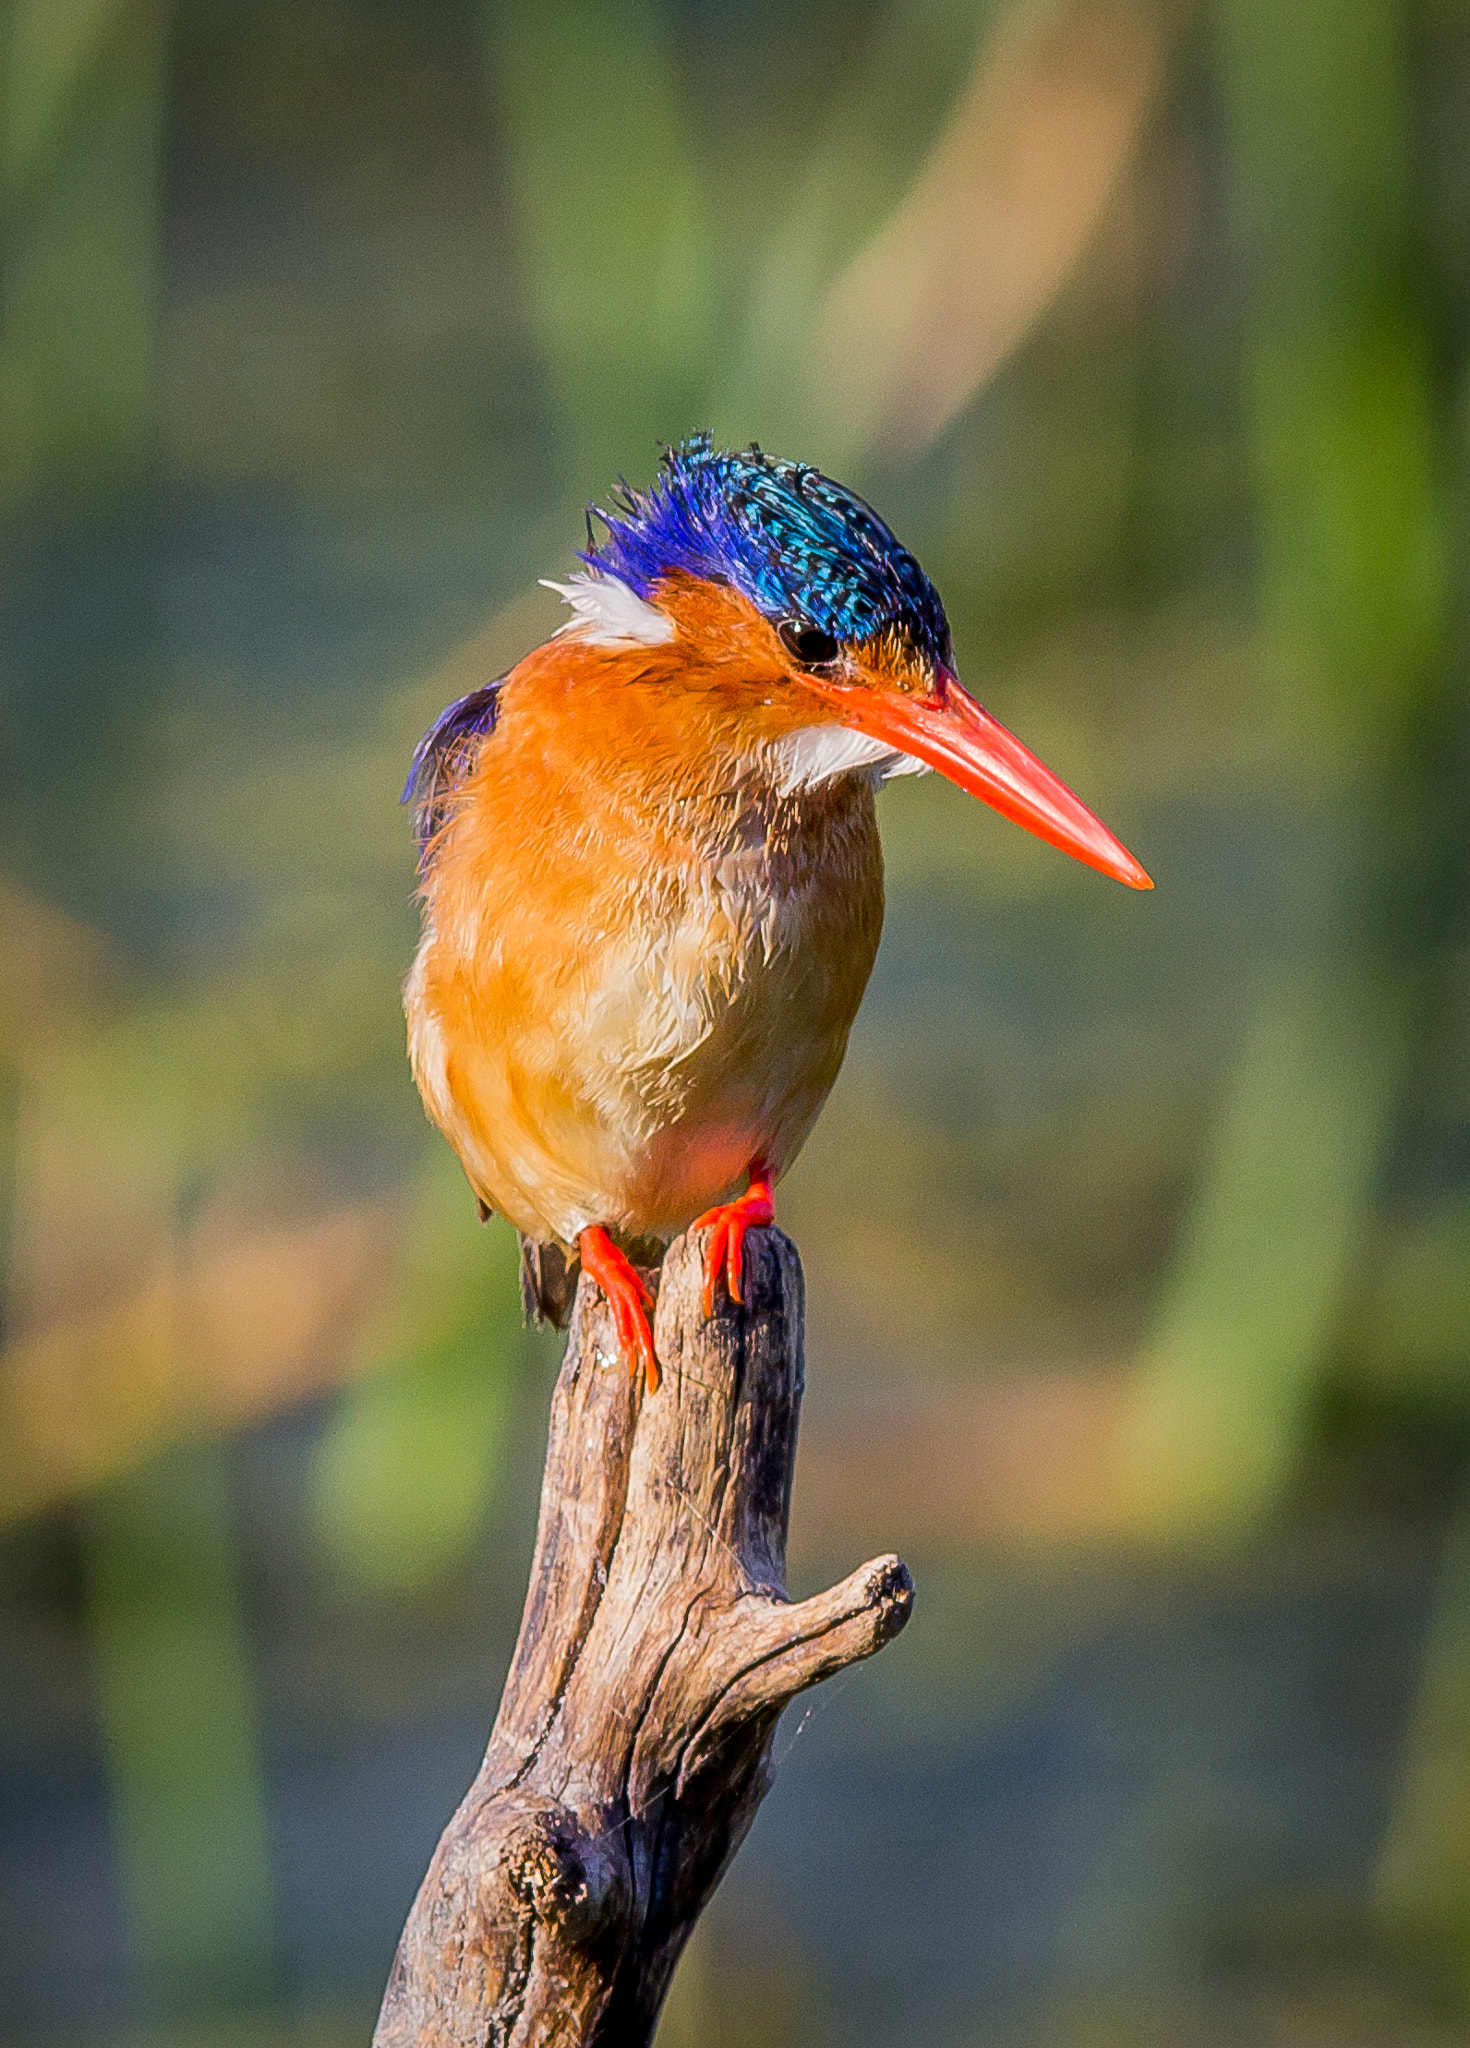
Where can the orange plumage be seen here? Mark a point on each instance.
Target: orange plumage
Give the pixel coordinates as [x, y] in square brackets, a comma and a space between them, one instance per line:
[641, 960]
[653, 885]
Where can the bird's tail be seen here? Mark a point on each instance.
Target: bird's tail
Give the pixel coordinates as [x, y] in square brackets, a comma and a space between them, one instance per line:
[549, 1276]
[548, 1282]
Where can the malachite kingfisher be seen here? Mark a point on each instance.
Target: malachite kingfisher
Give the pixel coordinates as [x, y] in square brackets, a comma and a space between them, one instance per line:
[652, 883]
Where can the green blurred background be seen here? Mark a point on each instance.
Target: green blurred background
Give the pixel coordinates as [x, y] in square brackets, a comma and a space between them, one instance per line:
[1137, 1230]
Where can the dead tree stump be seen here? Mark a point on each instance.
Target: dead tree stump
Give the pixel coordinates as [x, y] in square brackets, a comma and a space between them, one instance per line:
[657, 1648]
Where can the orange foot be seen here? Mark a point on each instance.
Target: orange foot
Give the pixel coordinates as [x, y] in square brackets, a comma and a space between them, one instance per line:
[731, 1221]
[627, 1296]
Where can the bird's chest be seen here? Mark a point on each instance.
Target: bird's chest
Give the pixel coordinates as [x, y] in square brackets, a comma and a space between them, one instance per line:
[745, 956]
[616, 1009]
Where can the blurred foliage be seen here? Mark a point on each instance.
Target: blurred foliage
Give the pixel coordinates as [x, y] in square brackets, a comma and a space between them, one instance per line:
[181, 1728]
[410, 1460]
[1146, 322]
[85, 92]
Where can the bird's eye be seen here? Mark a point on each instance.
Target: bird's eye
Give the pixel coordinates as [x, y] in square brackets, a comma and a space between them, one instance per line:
[809, 644]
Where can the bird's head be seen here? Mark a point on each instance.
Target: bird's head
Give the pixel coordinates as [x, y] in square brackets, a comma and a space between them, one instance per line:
[840, 640]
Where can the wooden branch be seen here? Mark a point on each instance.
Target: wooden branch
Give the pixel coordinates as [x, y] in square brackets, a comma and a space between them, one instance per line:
[657, 1648]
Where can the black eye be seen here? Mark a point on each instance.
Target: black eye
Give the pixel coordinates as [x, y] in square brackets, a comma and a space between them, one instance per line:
[809, 644]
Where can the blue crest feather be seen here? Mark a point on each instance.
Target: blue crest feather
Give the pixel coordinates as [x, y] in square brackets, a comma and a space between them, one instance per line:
[798, 545]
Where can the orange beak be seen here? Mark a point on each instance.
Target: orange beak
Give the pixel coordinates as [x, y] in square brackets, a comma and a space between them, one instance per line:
[949, 731]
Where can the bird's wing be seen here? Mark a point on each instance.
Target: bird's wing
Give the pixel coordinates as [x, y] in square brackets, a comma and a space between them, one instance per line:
[444, 757]
[548, 1282]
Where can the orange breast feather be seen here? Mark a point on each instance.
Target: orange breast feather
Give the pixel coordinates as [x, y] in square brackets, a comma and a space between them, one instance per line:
[640, 961]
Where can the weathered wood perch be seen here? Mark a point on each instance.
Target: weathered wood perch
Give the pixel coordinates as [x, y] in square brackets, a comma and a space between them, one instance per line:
[657, 1648]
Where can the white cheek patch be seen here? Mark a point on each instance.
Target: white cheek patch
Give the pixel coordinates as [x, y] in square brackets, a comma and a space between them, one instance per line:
[815, 754]
[904, 764]
[607, 612]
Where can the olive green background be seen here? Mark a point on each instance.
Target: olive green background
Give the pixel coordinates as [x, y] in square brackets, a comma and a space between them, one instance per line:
[1137, 1230]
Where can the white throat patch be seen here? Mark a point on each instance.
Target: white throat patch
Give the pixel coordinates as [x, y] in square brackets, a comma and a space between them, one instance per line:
[815, 754]
[607, 612]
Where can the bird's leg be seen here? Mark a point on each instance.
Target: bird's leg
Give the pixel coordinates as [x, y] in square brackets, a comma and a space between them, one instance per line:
[627, 1296]
[731, 1221]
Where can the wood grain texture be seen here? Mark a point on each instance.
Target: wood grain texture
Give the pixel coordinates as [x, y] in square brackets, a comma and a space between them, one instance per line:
[657, 1648]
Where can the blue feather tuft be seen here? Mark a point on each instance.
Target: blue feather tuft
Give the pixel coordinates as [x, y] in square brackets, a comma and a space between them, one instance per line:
[798, 545]
[445, 755]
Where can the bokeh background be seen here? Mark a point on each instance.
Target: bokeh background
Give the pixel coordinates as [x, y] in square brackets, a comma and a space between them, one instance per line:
[1137, 1230]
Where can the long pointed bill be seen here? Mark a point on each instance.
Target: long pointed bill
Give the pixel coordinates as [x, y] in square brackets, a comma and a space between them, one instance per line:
[952, 733]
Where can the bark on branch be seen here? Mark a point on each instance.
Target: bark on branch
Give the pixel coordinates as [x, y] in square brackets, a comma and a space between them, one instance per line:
[657, 1648]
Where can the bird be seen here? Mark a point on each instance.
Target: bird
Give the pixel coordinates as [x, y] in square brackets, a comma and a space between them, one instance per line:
[651, 880]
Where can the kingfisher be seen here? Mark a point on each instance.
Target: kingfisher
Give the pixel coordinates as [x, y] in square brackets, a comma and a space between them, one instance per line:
[651, 877]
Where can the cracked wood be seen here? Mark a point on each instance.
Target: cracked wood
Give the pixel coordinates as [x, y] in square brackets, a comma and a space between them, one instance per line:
[657, 1648]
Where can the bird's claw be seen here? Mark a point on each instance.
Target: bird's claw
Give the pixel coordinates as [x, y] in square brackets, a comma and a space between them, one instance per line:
[628, 1296]
[727, 1225]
